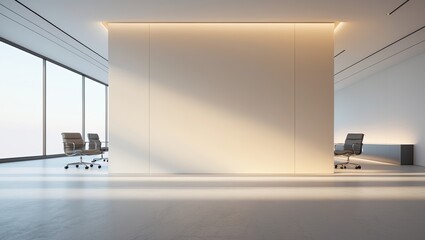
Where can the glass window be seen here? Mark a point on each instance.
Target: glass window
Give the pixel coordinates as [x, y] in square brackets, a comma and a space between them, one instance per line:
[95, 108]
[63, 105]
[21, 103]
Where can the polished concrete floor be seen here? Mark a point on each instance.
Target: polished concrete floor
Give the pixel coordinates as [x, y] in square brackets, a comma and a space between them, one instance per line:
[41, 200]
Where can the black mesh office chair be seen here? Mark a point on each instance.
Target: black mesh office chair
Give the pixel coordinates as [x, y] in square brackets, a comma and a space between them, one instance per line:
[353, 146]
[95, 143]
[74, 145]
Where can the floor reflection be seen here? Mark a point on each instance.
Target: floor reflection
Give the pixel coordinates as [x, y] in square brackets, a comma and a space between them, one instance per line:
[44, 201]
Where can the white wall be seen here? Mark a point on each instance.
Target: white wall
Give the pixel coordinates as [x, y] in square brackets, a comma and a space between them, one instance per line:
[221, 98]
[129, 99]
[313, 98]
[214, 94]
[387, 107]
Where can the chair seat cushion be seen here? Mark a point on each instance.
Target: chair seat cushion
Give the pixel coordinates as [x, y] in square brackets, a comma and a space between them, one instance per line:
[343, 152]
[91, 152]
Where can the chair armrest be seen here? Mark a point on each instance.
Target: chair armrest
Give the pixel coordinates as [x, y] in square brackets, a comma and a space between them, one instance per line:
[74, 151]
[354, 150]
[95, 144]
[73, 145]
[336, 144]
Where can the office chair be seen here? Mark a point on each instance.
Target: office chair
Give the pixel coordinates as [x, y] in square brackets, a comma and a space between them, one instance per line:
[353, 146]
[74, 145]
[95, 143]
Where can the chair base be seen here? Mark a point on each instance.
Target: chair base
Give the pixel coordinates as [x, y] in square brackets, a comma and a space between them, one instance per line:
[86, 164]
[344, 165]
[99, 159]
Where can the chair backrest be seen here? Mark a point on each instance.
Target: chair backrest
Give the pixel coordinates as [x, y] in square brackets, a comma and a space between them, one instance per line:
[71, 138]
[357, 140]
[94, 141]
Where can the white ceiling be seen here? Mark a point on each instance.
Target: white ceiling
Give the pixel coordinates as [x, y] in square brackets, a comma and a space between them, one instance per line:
[365, 30]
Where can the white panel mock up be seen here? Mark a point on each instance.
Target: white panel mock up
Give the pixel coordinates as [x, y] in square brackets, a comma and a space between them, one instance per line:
[222, 98]
[129, 98]
[314, 98]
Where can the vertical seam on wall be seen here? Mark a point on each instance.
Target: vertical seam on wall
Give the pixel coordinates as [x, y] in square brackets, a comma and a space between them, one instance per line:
[106, 116]
[44, 150]
[149, 99]
[83, 79]
[295, 97]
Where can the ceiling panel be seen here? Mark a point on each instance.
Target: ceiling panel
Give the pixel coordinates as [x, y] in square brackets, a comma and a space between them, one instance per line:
[365, 30]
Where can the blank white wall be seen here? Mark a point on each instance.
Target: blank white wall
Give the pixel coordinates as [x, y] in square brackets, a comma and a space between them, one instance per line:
[387, 107]
[313, 98]
[129, 98]
[222, 98]
[218, 98]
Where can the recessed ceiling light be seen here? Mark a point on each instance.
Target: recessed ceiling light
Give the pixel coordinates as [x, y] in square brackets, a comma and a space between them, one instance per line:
[338, 26]
[105, 25]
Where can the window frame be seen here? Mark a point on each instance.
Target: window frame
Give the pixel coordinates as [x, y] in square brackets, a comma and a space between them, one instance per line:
[44, 96]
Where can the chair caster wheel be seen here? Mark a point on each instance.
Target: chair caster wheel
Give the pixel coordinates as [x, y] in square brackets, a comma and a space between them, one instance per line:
[93, 160]
[87, 167]
[107, 160]
[358, 167]
[336, 166]
[99, 166]
[345, 167]
[66, 167]
[103, 159]
[76, 166]
[91, 165]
